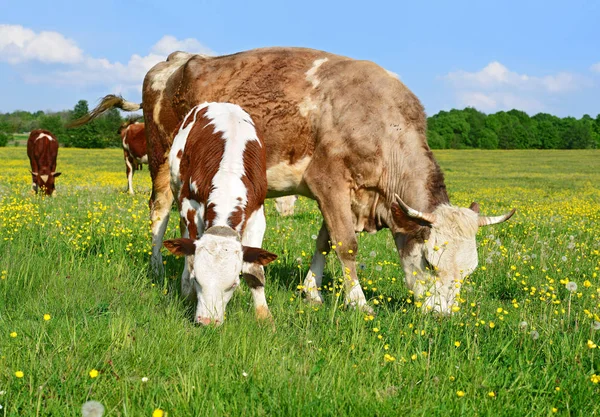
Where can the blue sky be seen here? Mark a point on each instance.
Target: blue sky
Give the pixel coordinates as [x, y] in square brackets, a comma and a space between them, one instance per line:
[530, 55]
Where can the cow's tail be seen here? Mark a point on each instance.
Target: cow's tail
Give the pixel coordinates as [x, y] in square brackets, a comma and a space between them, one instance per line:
[108, 102]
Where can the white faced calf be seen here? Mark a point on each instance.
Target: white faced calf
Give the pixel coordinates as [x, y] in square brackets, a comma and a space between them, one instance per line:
[218, 174]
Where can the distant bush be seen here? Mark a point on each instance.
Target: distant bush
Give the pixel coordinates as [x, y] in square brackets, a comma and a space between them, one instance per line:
[4, 138]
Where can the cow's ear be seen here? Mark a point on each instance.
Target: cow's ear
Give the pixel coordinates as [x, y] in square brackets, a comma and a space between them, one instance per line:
[475, 207]
[57, 174]
[181, 246]
[258, 256]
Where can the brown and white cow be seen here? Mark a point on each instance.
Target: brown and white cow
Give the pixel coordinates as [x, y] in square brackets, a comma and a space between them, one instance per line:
[134, 149]
[218, 173]
[346, 133]
[42, 150]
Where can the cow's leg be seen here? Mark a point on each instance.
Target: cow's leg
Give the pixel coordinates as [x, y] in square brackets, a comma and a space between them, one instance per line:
[160, 208]
[34, 186]
[187, 286]
[333, 196]
[314, 278]
[34, 179]
[129, 168]
[254, 274]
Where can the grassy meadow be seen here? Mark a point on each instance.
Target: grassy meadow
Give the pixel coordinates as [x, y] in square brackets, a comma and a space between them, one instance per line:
[81, 320]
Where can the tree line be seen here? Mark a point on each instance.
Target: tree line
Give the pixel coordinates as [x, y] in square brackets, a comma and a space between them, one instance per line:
[454, 129]
[102, 132]
[514, 129]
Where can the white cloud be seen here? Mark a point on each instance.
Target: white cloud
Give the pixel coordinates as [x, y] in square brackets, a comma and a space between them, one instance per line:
[170, 44]
[496, 75]
[495, 87]
[494, 101]
[19, 44]
[595, 67]
[476, 99]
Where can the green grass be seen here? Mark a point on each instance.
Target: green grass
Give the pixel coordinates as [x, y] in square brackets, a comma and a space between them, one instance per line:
[82, 257]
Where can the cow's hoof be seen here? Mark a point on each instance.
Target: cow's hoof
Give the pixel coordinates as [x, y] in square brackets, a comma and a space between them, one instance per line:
[365, 308]
[263, 313]
[313, 297]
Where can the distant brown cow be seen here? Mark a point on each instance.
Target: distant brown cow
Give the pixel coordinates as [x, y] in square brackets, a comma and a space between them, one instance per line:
[42, 150]
[134, 149]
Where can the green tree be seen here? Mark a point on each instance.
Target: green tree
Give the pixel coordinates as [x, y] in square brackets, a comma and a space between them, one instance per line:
[547, 130]
[54, 124]
[488, 139]
[4, 138]
[476, 121]
[435, 141]
[452, 128]
[108, 126]
[86, 136]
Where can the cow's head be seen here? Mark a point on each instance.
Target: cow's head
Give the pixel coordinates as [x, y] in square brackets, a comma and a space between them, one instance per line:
[217, 263]
[439, 251]
[45, 182]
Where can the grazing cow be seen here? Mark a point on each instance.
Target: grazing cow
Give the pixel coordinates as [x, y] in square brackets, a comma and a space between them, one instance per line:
[285, 205]
[218, 174]
[134, 149]
[346, 133]
[42, 150]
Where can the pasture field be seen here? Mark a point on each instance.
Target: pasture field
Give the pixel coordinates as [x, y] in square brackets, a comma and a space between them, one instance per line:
[81, 320]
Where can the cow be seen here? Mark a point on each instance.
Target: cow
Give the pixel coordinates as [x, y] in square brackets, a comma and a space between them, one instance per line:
[42, 150]
[346, 133]
[285, 205]
[133, 139]
[218, 175]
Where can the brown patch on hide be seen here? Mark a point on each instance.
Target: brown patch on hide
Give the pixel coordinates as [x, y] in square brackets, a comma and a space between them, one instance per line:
[406, 223]
[435, 184]
[258, 256]
[191, 224]
[134, 140]
[181, 246]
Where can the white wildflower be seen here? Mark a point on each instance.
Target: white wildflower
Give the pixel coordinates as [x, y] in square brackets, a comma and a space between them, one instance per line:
[571, 286]
[92, 409]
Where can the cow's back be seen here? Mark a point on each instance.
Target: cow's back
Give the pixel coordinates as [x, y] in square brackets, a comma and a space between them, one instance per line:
[42, 147]
[270, 84]
[134, 140]
[300, 99]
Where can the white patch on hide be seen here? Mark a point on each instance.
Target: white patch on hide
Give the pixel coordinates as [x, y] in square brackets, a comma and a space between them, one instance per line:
[311, 74]
[286, 177]
[236, 128]
[307, 106]
[43, 135]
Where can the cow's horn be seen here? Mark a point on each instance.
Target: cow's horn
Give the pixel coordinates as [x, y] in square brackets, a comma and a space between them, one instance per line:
[416, 214]
[488, 220]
